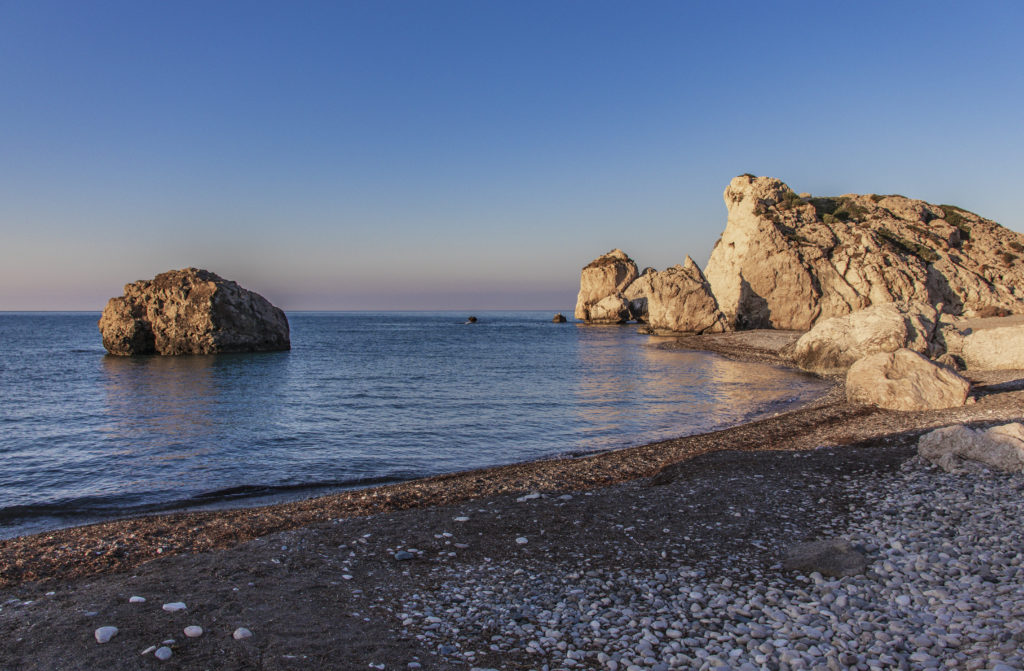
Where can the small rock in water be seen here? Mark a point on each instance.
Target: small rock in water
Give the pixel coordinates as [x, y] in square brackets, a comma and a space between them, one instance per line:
[137, 599]
[241, 634]
[174, 606]
[193, 631]
[402, 555]
[522, 540]
[528, 497]
[163, 653]
[104, 634]
[461, 519]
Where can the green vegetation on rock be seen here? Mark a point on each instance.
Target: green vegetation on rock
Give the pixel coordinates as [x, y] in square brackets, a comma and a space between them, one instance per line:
[926, 254]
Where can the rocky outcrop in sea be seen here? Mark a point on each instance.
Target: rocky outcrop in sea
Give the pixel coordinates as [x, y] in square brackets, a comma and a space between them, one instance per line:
[191, 311]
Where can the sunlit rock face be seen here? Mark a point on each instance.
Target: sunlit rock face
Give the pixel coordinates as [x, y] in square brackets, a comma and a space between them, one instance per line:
[602, 284]
[191, 311]
[786, 261]
[835, 344]
[676, 300]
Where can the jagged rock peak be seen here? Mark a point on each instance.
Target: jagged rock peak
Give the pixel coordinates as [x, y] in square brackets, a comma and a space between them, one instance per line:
[191, 311]
[786, 260]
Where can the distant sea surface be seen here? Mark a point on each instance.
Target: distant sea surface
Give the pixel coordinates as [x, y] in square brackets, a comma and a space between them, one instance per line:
[362, 398]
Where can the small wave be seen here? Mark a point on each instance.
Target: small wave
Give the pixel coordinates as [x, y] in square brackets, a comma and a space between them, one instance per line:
[250, 491]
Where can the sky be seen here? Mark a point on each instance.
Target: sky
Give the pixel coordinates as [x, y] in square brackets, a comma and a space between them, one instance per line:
[435, 154]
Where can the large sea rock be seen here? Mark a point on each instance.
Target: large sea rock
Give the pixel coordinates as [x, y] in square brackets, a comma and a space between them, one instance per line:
[191, 311]
[835, 344]
[602, 284]
[904, 380]
[786, 261]
[676, 300]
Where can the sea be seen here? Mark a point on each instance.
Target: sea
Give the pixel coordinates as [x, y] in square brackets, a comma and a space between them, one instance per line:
[361, 399]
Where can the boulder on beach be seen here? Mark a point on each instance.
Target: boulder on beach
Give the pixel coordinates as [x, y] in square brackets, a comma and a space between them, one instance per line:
[833, 557]
[835, 344]
[1001, 447]
[904, 380]
[994, 348]
[191, 311]
[602, 283]
[787, 261]
[676, 300]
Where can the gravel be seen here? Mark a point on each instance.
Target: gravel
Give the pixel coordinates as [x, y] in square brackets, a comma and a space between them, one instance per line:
[944, 588]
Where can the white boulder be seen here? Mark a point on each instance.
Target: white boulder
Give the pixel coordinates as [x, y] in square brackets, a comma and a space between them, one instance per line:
[904, 380]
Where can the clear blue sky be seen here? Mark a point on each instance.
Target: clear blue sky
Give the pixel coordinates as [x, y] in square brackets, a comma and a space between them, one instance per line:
[471, 155]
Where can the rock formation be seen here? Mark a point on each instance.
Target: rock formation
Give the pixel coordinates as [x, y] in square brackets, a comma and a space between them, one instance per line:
[835, 344]
[994, 348]
[602, 284]
[676, 300]
[786, 261]
[1001, 447]
[904, 380]
[191, 311]
[559, 318]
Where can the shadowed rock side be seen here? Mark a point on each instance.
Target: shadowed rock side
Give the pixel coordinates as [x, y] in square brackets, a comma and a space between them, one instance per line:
[191, 311]
[602, 284]
[786, 261]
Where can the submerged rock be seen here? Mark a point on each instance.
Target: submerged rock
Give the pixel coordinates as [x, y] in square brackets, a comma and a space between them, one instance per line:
[904, 380]
[191, 311]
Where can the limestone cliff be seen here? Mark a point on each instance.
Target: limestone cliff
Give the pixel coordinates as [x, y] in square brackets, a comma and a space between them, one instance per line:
[786, 261]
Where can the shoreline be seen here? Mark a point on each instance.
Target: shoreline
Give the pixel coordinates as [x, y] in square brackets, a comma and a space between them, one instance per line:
[828, 420]
[318, 583]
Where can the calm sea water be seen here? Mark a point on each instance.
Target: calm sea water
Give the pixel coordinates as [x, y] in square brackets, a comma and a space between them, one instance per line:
[362, 398]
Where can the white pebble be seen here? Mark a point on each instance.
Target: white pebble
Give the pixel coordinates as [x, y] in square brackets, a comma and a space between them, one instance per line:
[522, 540]
[241, 633]
[163, 653]
[193, 631]
[174, 606]
[104, 634]
[137, 599]
[461, 519]
[148, 650]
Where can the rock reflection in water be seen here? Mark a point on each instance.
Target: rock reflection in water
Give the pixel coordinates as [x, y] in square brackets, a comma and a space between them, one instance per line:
[179, 416]
[630, 390]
